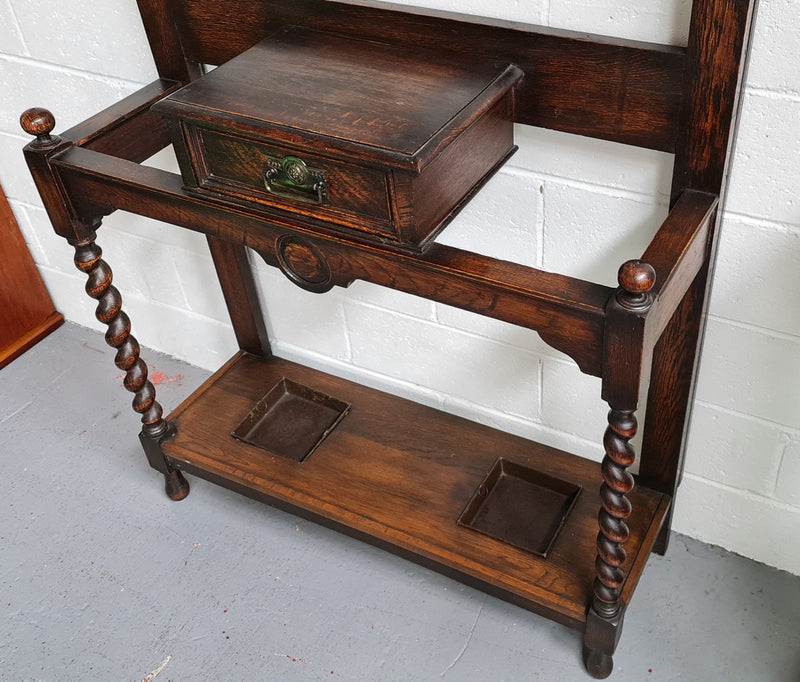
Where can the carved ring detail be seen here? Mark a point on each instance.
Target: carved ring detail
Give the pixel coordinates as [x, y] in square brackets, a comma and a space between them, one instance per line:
[303, 263]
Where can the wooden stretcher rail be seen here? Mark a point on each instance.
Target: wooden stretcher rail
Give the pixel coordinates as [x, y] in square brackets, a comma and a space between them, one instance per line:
[127, 129]
[569, 313]
[629, 92]
[677, 252]
[544, 301]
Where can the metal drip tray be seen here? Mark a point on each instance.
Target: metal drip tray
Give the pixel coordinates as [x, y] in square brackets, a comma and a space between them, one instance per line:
[291, 420]
[520, 506]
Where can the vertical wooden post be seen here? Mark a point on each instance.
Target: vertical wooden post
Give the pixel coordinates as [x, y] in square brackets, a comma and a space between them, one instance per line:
[164, 42]
[623, 373]
[230, 260]
[718, 41]
[241, 296]
[79, 231]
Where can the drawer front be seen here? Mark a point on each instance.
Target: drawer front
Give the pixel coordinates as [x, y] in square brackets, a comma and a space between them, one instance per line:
[265, 173]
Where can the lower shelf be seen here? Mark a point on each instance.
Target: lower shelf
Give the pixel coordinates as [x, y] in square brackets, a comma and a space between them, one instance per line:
[399, 475]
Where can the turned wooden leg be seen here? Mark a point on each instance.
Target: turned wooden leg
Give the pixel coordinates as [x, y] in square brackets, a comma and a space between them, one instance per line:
[155, 429]
[625, 358]
[604, 621]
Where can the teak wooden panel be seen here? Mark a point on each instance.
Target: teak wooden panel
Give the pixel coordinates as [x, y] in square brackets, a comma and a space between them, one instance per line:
[27, 314]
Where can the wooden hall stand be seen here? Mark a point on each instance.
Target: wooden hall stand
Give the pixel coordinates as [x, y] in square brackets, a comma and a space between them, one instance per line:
[426, 494]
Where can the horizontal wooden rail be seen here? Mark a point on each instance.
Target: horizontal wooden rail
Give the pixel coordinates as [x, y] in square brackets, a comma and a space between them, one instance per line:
[629, 92]
[127, 129]
[569, 313]
[677, 252]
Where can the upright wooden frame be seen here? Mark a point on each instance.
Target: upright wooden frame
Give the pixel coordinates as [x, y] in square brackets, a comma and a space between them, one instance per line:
[646, 332]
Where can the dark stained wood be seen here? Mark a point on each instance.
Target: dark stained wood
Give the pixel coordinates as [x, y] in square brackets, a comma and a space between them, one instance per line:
[88, 259]
[165, 42]
[403, 488]
[38, 154]
[383, 126]
[27, 314]
[241, 296]
[673, 327]
[374, 476]
[441, 190]
[155, 429]
[626, 361]
[39, 122]
[567, 312]
[630, 92]
[713, 79]
[390, 99]
[718, 44]
[233, 167]
[672, 382]
[676, 253]
[126, 129]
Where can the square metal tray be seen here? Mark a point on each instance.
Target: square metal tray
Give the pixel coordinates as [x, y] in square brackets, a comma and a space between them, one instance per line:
[291, 420]
[520, 506]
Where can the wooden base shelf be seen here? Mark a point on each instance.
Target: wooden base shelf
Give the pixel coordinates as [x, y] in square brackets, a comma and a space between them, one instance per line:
[398, 475]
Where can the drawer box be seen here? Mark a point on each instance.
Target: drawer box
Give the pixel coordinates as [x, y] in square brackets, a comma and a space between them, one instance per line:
[378, 140]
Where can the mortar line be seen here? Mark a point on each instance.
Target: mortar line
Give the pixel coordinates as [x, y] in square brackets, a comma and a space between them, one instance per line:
[73, 71]
[18, 27]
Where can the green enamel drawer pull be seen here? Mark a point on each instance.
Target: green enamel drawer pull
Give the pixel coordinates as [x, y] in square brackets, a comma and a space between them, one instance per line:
[291, 178]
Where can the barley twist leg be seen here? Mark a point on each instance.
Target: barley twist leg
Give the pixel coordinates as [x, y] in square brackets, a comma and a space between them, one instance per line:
[604, 620]
[155, 429]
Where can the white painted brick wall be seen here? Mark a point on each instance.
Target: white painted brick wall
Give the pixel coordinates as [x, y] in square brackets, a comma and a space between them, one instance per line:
[742, 483]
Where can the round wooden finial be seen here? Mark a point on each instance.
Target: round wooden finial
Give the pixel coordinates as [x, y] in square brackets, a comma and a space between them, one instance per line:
[39, 122]
[636, 278]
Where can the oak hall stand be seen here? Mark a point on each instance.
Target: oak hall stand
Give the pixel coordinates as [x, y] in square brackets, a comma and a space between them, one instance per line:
[330, 203]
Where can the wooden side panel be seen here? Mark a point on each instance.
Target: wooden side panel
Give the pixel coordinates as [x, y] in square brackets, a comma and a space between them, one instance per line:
[26, 311]
[615, 90]
[452, 177]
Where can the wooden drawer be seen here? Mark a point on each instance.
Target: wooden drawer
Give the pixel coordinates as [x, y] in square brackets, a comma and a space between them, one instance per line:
[235, 166]
[302, 123]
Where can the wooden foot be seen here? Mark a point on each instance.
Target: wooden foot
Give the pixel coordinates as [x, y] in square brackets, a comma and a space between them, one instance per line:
[598, 664]
[152, 439]
[662, 542]
[176, 485]
[600, 640]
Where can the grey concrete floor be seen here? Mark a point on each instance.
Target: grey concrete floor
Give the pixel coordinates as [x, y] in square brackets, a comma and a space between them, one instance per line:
[104, 578]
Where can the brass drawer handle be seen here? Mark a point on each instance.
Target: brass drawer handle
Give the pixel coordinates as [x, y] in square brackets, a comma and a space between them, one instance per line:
[291, 178]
